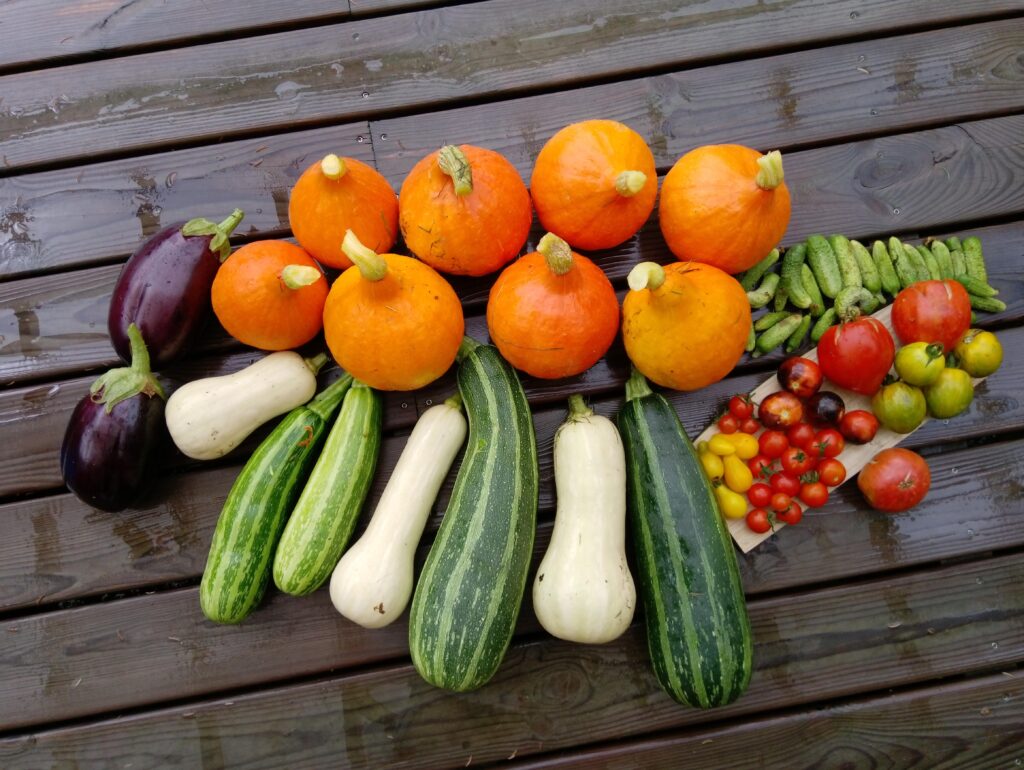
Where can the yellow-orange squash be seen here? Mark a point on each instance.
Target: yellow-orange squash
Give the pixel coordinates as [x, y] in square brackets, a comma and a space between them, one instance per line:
[338, 194]
[594, 184]
[725, 205]
[552, 313]
[392, 321]
[684, 325]
[464, 210]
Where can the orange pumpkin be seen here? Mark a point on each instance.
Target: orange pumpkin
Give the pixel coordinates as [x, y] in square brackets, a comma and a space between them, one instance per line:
[392, 321]
[338, 194]
[270, 294]
[594, 184]
[552, 313]
[684, 325]
[464, 210]
[724, 205]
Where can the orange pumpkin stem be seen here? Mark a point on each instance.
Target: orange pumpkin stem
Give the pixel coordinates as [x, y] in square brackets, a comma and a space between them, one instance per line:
[646, 275]
[370, 263]
[770, 173]
[333, 166]
[556, 252]
[452, 161]
[629, 183]
[297, 276]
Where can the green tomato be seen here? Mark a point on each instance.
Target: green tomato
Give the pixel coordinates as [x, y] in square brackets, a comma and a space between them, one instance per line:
[951, 393]
[899, 407]
[920, 363]
[979, 353]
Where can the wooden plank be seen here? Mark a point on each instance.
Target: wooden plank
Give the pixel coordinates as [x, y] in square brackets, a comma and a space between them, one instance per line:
[470, 51]
[820, 95]
[972, 725]
[103, 211]
[364, 7]
[41, 32]
[547, 695]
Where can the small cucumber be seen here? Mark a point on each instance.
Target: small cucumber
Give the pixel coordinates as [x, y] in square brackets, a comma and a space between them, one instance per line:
[887, 273]
[811, 287]
[975, 259]
[954, 243]
[779, 333]
[848, 270]
[751, 339]
[791, 276]
[988, 304]
[781, 298]
[930, 262]
[917, 261]
[764, 293]
[768, 320]
[853, 301]
[943, 259]
[824, 266]
[750, 278]
[828, 318]
[796, 339]
[868, 272]
[959, 262]
[976, 287]
[880, 300]
[905, 269]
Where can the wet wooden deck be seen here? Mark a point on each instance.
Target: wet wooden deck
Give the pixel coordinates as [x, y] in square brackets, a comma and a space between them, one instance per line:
[881, 641]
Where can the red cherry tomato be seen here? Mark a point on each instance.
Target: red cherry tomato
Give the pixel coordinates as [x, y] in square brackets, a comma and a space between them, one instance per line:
[828, 443]
[740, 406]
[780, 501]
[761, 466]
[758, 521]
[750, 425]
[773, 443]
[932, 311]
[894, 480]
[802, 435]
[792, 514]
[727, 423]
[831, 472]
[780, 410]
[759, 495]
[814, 494]
[858, 426]
[800, 376]
[857, 355]
[798, 461]
[785, 482]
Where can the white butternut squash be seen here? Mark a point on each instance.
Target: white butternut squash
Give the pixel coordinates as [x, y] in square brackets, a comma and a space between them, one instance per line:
[208, 418]
[373, 581]
[583, 591]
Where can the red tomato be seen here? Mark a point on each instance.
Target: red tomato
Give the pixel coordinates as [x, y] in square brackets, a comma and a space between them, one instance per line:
[857, 355]
[792, 514]
[750, 425]
[895, 479]
[802, 435]
[800, 376]
[780, 410]
[759, 495]
[761, 467]
[781, 501]
[814, 494]
[785, 482]
[728, 424]
[932, 311]
[740, 406]
[798, 461]
[858, 426]
[828, 443]
[773, 443]
[759, 521]
[831, 472]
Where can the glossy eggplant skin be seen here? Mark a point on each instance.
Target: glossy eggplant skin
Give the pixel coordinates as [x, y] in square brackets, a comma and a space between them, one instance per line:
[107, 459]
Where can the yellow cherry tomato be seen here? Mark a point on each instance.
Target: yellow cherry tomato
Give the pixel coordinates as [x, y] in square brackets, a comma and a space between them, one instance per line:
[737, 475]
[746, 445]
[721, 445]
[732, 505]
[712, 463]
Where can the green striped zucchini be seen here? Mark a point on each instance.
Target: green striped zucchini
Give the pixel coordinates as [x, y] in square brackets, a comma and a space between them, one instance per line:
[322, 522]
[469, 593]
[698, 634]
[250, 524]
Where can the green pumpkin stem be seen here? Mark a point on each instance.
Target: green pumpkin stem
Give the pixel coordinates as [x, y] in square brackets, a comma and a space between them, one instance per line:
[556, 252]
[454, 163]
[629, 183]
[770, 174]
[370, 263]
[297, 276]
[333, 167]
[646, 275]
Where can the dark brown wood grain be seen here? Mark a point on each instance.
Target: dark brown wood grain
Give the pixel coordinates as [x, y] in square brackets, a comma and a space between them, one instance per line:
[407, 62]
[972, 725]
[548, 694]
[363, 7]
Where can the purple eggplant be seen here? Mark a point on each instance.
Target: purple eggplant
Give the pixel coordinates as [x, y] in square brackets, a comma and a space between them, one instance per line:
[113, 439]
[164, 288]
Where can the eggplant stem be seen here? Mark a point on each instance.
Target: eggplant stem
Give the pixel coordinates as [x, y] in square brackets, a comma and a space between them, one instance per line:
[116, 385]
[219, 243]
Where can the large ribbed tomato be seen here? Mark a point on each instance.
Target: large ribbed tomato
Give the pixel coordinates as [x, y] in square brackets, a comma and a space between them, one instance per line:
[857, 354]
[932, 311]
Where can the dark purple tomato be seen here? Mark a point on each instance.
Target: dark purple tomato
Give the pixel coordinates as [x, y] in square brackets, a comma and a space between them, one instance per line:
[825, 408]
[800, 376]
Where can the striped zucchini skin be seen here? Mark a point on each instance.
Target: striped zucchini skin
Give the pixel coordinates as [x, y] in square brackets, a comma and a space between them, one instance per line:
[323, 519]
[250, 524]
[469, 593]
[698, 633]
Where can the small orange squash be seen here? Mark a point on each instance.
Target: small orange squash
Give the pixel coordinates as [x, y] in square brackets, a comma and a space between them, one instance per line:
[338, 194]
[594, 184]
[392, 321]
[270, 294]
[464, 210]
[684, 325]
[725, 205]
[552, 313]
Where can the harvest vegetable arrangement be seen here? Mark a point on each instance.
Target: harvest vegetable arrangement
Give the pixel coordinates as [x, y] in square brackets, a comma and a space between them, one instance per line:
[393, 322]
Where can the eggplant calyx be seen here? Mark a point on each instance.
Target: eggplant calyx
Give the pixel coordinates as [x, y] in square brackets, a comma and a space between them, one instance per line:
[221, 232]
[113, 387]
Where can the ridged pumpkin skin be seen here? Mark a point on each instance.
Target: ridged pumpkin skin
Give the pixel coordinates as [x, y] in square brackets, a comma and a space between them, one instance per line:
[713, 211]
[471, 234]
[321, 209]
[574, 184]
[691, 330]
[551, 325]
[398, 333]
